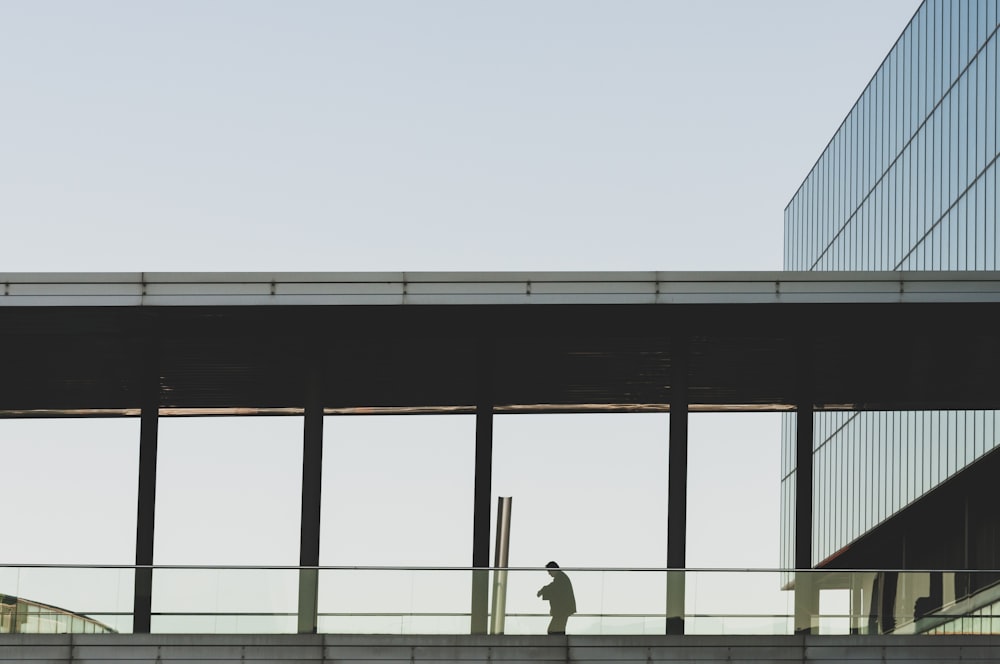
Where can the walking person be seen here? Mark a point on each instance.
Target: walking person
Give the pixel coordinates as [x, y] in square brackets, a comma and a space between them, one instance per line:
[559, 594]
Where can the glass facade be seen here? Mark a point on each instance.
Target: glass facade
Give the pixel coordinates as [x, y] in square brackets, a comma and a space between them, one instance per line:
[869, 465]
[908, 182]
[982, 621]
[22, 616]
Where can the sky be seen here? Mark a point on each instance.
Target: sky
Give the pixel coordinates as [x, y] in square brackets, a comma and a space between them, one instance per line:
[435, 135]
[405, 136]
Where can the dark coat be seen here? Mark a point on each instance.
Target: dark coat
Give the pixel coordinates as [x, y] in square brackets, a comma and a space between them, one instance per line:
[559, 593]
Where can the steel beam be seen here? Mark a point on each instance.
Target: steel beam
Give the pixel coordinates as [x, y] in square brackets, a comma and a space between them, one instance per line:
[677, 476]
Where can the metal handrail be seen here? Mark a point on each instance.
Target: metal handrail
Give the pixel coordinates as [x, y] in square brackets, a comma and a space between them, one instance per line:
[447, 568]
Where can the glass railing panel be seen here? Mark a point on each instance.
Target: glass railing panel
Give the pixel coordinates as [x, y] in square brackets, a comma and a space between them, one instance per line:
[58, 599]
[394, 601]
[737, 602]
[614, 601]
[942, 602]
[66, 600]
[225, 600]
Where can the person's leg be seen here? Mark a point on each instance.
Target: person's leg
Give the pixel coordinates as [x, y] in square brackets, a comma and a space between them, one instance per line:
[558, 625]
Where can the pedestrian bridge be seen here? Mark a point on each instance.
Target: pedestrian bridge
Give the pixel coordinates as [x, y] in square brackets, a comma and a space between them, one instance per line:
[450, 649]
[163, 345]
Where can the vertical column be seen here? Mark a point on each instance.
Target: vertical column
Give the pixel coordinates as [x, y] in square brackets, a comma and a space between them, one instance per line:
[856, 596]
[501, 560]
[312, 479]
[806, 595]
[146, 499]
[483, 490]
[677, 486]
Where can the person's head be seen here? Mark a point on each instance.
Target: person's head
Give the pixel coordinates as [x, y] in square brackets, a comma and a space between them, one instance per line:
[552, 567]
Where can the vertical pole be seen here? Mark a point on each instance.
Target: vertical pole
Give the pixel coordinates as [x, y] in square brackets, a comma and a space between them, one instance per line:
[805, 592]
[312, 480]
[501, 560]
[146, 500]
[483, 490]
[677, 487]
[856, 585]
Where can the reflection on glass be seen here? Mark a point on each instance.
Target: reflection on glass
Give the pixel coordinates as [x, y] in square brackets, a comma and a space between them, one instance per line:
[869, 465]
[65, 600]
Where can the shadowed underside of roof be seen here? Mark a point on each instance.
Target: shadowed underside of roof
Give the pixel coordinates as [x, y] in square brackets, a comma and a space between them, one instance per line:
[763, 341]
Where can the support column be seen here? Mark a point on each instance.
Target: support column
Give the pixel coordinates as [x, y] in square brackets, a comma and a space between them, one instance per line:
[312, 480]
[856, 596]
[806, 594]
[677, 487]
[482, 492]
[146, 500]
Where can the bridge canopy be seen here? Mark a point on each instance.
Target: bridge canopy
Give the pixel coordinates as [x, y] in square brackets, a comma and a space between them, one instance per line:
[533, 341]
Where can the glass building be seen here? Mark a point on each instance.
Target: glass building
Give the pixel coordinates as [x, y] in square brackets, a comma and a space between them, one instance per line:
[23, 616]
[908, 182]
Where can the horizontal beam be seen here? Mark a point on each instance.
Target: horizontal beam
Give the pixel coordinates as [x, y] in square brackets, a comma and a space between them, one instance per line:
[523, 409]
[491, 288]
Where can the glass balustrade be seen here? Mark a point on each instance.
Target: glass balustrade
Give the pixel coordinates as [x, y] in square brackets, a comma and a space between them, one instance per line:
[392, 600]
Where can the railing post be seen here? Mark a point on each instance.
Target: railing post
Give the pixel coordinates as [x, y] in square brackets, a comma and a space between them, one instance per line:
[312, 480]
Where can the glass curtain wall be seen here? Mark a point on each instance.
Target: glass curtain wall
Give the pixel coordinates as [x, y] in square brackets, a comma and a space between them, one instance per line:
[869, 465]
[908, 182]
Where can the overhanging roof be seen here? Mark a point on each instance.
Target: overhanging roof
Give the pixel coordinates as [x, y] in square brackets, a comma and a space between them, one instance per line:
[162, 289]
[246, 342]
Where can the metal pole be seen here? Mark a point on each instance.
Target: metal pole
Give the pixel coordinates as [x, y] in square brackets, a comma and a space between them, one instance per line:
[677, 487]
[500, 562]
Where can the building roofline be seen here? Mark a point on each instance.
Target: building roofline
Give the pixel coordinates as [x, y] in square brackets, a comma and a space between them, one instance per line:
[165, 289]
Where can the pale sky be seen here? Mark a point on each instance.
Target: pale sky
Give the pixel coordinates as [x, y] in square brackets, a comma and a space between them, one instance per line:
[177, 135]
[430, 135]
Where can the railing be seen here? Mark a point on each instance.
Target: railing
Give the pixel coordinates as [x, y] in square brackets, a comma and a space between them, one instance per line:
[437, 600]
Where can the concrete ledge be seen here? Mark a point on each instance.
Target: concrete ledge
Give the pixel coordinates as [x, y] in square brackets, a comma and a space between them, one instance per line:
[433, 649]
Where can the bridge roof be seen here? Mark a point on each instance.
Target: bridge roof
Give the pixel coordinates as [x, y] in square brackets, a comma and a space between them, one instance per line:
[525, 341]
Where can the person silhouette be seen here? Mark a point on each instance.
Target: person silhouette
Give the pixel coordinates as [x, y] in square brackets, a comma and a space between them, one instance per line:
[559, 594]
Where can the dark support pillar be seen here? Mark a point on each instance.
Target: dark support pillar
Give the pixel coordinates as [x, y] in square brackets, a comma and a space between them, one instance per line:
[312, 479]
[677, 487]
[482, 492]
[803, 486]
[806, 595]
[146, 500]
